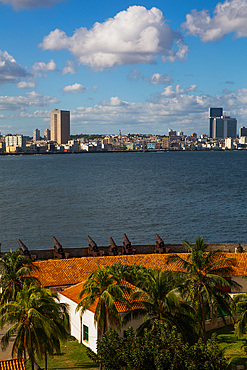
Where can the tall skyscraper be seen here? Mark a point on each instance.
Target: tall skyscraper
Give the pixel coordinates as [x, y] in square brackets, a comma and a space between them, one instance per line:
[47, 134]
[36, 135]
[221, 126]
[60, 126]
[213, 113]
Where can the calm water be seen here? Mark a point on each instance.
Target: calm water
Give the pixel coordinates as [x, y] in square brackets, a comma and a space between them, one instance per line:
[178, 195]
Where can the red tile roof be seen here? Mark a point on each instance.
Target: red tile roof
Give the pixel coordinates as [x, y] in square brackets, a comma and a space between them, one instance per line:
[75, 270]
[13, 364]
[73, 292]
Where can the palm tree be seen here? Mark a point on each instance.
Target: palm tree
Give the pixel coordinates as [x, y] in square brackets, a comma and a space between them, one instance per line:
[203, 280]
[15, 269]
[37, 319]
[104, 289]
[156, 299]
[130, 273]
[240, 309]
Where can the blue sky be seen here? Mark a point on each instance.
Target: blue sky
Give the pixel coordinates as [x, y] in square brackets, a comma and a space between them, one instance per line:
[141, 67]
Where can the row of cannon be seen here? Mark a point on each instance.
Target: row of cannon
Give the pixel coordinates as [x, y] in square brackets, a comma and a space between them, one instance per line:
[93, 249]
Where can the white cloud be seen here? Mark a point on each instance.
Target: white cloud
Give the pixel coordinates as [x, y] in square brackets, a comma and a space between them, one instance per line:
[181, 108]
[169, 92]
[10, 70]
[157, 78]
[95, 88]
[69, 68]
[229, 17]
[29, 4]
[75, 88]
[26, 85]
[136, 75]
[137, 35]
[30, 99]
[40, 67]
[37, 114]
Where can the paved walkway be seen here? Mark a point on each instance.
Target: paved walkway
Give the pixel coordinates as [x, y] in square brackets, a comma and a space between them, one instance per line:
[6, 355]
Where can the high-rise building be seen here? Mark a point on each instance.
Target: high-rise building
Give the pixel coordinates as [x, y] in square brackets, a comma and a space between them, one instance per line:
[221, 126]
[213, 113]
[47, 134]
[242, 131]
[60, 126]
[36, 135]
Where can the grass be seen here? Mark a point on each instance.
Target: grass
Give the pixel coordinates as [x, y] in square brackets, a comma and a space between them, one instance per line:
[73, 357]
[232, 346]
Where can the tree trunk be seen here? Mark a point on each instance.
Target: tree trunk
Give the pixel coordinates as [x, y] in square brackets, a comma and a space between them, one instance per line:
[203, 320]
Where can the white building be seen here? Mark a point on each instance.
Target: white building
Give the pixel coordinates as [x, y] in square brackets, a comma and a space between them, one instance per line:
[83, 327]
[15, 142]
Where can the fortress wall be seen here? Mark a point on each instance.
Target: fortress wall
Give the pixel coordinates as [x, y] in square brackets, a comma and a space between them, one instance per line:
[77, 252]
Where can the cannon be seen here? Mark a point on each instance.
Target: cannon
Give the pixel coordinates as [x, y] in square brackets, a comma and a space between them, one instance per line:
[239, 249]
[93, 249]
[58, 251]
[127, 247]
[160, 245]
[113, 250]
[24, 250]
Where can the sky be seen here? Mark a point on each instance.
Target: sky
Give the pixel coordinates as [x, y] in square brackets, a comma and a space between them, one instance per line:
[139, 67]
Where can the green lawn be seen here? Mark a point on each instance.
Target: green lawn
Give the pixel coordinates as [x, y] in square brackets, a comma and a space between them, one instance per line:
[73, 357]
[233, 347]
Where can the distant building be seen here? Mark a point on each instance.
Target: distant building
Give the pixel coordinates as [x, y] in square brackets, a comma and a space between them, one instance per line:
[221, 126]
[213, 113]
[60, 126]
[15, 143]
[47, 134]
[242, 131]
[228, 143]
[36, 135]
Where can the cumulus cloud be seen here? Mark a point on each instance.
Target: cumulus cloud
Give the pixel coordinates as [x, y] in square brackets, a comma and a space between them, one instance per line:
[137, 35]
[26, 85]
[228, 17]
[184, 109]
[75, 89]
[29, 4]
[135, 75]
[30, 99]
[69, 68]
[95, 88]
[41, 68]
[157, 78]
[10, 70]
[170, 92]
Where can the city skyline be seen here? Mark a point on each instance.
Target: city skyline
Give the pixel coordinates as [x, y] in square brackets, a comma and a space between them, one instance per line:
[139, 67]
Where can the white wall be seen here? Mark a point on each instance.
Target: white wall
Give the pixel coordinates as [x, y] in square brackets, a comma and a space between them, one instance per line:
[76, 324]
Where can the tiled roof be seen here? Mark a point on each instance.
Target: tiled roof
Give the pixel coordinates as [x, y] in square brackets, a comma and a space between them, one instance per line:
[73, 292]
[13, 364]
[74, 270]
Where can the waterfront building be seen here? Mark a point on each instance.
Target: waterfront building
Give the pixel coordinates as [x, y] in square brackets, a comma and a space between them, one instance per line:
[15, 143]
[36, 135]
[221, 126]
[60, 126]
[242, 131]
[228, 143]
[213, 113]
[47, 134]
